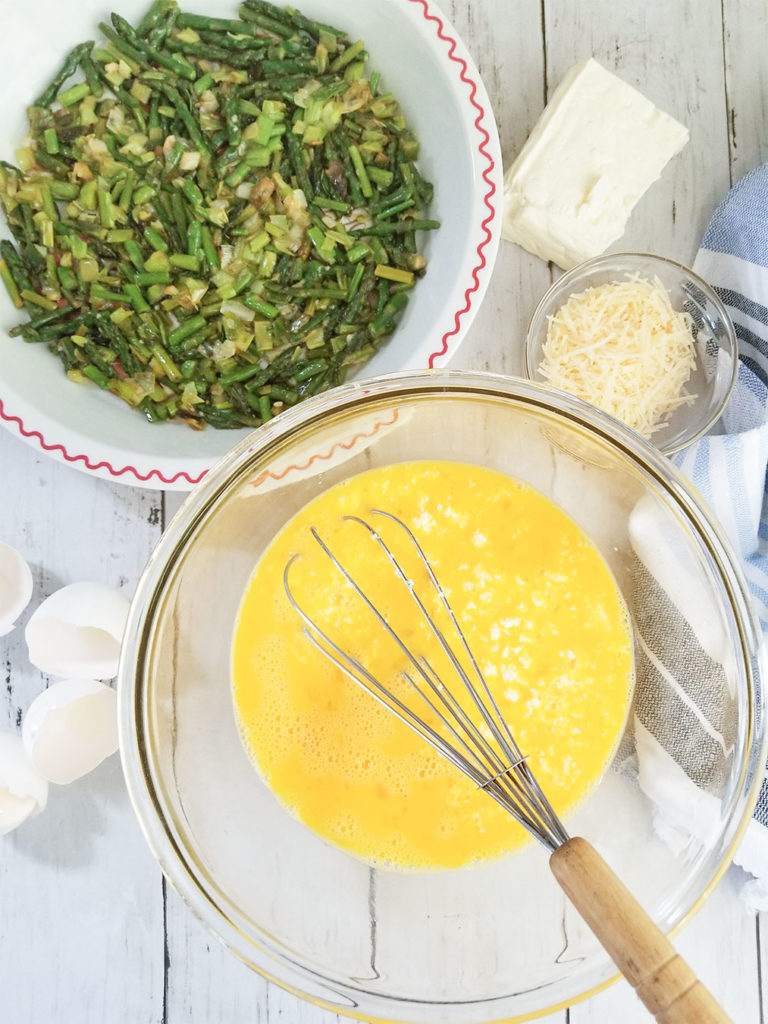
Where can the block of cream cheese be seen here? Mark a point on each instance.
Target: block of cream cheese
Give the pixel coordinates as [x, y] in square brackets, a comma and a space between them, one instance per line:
[597, 147]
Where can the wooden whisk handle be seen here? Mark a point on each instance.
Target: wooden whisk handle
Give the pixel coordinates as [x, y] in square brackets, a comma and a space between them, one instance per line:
[641, 951]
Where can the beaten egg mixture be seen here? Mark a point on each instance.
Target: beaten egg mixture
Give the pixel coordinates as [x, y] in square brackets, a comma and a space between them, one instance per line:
[542, 615]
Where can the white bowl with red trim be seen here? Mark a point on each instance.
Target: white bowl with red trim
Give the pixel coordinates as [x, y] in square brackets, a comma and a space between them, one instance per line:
[427, 67]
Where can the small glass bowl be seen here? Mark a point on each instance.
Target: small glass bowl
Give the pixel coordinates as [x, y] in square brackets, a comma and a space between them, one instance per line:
[715, 342]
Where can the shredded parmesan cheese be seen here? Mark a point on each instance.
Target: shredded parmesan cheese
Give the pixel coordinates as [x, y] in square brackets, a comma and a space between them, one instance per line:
[622, 347]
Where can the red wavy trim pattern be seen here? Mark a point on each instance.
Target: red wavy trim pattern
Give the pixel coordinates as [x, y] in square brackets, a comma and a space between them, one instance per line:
[317, 457]
[94, 466]
[161, 479]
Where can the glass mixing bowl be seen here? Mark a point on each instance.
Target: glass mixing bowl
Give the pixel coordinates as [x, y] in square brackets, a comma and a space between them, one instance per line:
[479, 944]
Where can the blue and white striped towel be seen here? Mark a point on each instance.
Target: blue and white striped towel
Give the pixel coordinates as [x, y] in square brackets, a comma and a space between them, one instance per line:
[729, 465]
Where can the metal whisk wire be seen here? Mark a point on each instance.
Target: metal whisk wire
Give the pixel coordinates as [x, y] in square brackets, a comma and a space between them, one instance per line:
[502, 770]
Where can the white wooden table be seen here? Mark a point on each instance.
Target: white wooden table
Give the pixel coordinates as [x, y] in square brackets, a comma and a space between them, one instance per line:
[89, 933]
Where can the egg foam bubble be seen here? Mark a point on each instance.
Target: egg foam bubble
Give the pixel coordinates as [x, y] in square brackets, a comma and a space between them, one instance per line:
[542, 615]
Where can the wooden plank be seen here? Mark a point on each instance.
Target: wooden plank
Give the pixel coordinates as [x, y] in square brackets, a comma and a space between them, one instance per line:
[761, 933]
[745, 43]
[673, 54]
[285, 1008]
[81, 925]
[205, 982]
[507, 46]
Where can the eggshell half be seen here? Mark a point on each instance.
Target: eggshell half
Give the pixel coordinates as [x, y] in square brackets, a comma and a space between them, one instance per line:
[70, 728]
[77, 631]
[15, 587]
[23, 791]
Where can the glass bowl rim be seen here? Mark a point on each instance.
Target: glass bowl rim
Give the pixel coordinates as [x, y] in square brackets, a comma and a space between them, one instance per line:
[597, 263]
[177, 864]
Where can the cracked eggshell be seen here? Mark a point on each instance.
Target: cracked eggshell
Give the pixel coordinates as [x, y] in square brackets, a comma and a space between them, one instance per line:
[15, 587]
[70, 728]
[23, 791]
[77, 631]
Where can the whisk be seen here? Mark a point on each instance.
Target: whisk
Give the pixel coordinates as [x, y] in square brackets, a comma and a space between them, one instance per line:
[663, 980]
